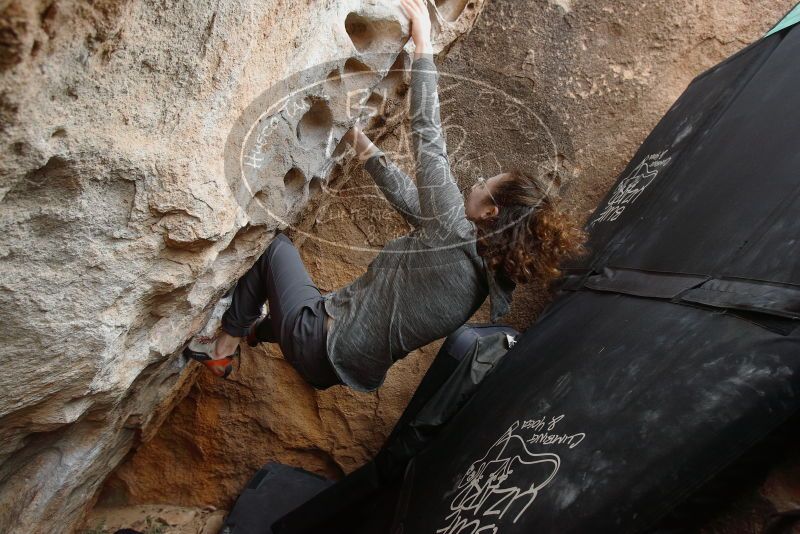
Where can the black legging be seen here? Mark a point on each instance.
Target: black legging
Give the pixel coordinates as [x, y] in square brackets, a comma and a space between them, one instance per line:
[296, 318]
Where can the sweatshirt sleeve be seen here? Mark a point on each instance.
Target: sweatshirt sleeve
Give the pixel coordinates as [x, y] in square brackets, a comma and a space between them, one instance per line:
[396, 186]
[440, 201]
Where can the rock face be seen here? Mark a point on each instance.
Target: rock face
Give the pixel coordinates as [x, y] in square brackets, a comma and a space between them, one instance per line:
[122, 222]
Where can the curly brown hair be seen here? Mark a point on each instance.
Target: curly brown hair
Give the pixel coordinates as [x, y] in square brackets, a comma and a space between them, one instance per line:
[531, 234]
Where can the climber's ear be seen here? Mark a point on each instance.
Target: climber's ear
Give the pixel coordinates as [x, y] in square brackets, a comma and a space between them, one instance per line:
[490, 213]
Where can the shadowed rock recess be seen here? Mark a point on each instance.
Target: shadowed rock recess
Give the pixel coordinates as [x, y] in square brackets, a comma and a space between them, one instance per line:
[125, 218]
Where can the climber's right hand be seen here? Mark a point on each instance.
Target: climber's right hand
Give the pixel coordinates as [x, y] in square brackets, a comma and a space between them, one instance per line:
[417, 13]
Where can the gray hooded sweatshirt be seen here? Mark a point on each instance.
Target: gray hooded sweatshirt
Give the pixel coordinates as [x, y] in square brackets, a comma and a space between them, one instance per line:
[423, 285]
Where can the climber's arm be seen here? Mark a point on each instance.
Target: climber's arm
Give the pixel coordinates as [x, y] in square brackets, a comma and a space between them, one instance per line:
[396, 186]
[441, 202]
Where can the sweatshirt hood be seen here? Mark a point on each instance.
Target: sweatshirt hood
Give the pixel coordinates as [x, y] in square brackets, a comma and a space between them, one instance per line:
[501, 289]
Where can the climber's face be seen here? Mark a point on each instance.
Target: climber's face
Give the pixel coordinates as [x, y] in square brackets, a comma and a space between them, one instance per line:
[479, 203]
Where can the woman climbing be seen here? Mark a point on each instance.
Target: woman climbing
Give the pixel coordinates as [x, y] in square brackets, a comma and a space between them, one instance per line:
[421, 286]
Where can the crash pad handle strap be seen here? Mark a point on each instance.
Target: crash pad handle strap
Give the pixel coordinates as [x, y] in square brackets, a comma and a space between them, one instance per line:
[781, 300]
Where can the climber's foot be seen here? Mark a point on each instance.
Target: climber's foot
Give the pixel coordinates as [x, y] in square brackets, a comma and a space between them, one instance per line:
[225, 345]
[215, 352]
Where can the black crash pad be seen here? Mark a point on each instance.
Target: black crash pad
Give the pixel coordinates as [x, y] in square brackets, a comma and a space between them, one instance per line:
[272, 492]
[669, 352]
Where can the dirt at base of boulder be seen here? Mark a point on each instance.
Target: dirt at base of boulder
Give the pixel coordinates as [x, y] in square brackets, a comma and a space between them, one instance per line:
[154, 519]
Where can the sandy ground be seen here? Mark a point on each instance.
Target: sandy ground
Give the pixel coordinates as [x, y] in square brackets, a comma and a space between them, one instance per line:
[154, 519]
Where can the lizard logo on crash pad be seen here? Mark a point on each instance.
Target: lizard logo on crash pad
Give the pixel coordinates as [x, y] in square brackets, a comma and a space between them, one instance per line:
[629, 189]
[504, 482]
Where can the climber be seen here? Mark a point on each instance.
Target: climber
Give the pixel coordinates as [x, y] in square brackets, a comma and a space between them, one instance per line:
[421, 286]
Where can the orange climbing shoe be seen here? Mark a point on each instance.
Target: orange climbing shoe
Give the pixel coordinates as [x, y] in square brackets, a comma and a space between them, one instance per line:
[201, 348]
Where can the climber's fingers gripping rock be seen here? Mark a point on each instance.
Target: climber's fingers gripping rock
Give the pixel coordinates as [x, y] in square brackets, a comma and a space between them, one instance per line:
[417, 13]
